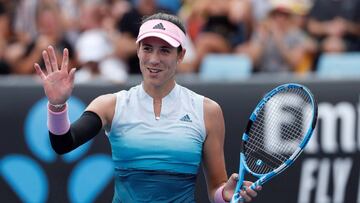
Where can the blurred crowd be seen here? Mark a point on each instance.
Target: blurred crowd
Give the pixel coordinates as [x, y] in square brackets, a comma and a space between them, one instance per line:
[277, 35]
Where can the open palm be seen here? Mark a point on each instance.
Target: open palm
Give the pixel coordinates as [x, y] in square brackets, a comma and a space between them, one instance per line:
[58, 82]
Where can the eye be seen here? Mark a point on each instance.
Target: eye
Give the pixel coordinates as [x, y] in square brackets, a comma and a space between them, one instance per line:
[147, 49]
[165, 50]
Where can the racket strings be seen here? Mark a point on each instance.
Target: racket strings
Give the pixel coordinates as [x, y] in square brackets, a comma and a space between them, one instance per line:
[278, 130]
[269, 162]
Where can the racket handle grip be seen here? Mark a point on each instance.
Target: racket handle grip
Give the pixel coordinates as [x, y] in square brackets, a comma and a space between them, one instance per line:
[255, 185]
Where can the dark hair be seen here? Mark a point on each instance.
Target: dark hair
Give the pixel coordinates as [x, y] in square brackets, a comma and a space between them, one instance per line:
[168, 17]
[2, 8]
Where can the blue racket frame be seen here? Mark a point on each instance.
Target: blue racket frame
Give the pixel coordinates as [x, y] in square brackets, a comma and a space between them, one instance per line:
[263, 178]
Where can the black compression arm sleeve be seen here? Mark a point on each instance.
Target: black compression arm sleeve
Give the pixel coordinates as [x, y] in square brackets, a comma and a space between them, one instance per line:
[81, 131]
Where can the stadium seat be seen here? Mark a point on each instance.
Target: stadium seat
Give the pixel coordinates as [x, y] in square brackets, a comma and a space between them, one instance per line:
[339, 65]
[172, 5]
[225, 67]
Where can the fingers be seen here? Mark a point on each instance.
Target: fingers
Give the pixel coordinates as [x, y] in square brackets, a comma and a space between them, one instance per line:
[50, 60]
[72, 74]
[247, 185]
[53, 59]
[47, 61]
[234, 177]
[229, 187]
[247, 193]
[65, 60]
[245, 196]
[39, 71]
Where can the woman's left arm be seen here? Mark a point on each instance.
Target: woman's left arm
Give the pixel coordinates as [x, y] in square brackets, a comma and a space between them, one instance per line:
[213, 153]
[220, 188]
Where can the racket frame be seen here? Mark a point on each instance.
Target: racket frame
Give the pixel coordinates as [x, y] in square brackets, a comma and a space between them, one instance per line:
[263, 178]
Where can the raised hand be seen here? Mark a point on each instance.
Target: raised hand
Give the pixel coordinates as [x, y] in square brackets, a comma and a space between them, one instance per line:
[58, 82]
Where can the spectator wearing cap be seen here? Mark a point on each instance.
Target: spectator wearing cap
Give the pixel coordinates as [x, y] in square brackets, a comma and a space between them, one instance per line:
[94, 51]
[94, 46]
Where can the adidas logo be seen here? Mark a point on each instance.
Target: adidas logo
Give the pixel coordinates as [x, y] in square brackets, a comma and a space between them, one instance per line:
[186, 118]
[159, 26]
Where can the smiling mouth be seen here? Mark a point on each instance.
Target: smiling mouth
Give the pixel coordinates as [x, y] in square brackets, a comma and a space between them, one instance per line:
[154, 70]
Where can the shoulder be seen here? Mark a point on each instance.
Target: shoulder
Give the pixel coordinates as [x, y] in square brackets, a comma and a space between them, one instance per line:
[212, 111]
[105, 99]
[104, 107]
[211, 106]
[214, 119]
[102, 103]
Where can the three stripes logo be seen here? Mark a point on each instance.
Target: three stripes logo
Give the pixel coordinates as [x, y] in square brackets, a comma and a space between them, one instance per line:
[159, 26]
[186, 118]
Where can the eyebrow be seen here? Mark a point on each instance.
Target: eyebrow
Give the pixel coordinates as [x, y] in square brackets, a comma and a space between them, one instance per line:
[163, 46]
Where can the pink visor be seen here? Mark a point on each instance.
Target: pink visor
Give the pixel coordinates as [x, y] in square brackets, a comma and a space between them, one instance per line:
[162, 29]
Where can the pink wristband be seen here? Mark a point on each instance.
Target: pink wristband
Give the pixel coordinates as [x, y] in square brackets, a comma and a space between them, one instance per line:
[58, 122]
[218, 198]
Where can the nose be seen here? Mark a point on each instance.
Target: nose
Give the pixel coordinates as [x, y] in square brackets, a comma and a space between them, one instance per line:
[154, 58]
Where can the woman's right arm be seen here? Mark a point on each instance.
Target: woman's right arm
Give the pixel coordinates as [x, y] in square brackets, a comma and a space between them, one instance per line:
[58, 83]
[98, 114]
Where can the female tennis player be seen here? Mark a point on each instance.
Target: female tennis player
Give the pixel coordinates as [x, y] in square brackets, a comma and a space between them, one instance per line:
[159, 131]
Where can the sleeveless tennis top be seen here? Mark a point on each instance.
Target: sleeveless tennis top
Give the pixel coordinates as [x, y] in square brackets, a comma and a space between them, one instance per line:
[156, 160]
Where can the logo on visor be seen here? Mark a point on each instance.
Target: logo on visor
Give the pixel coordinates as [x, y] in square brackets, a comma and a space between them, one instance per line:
[159, 26]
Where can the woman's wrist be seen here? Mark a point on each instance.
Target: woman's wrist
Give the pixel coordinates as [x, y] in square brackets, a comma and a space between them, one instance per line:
[58, 119]
[218, 197]
[56, 107]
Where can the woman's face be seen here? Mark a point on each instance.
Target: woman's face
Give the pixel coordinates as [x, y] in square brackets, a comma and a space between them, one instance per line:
[158, 61]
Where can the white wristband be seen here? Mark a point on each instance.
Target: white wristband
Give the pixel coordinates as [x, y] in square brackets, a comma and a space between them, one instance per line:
[58, 106]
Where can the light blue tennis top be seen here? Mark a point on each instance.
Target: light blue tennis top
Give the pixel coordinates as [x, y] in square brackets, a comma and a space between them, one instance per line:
[156, 160]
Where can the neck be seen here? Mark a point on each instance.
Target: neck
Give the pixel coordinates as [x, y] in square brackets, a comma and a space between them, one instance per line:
[159, 92]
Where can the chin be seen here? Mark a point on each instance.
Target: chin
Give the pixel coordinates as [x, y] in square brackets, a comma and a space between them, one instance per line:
[153, 82]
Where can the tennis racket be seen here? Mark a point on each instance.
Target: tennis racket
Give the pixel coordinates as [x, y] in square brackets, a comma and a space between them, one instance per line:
[277, 132]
